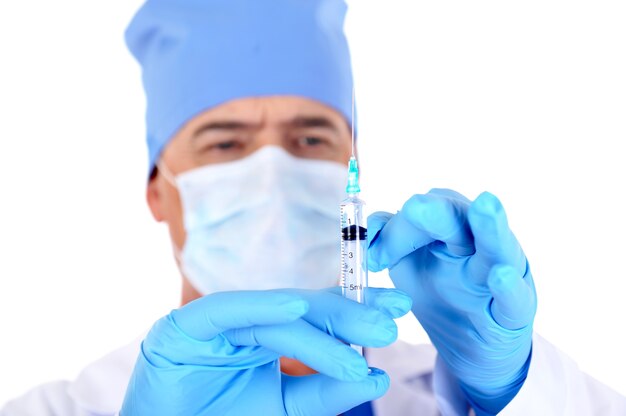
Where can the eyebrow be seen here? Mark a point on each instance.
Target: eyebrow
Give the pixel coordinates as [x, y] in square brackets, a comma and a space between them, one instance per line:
[297, 122]
[221, 125]
[312, 121]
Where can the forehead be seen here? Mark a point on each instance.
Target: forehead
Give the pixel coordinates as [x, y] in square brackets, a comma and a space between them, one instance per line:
[274, 109]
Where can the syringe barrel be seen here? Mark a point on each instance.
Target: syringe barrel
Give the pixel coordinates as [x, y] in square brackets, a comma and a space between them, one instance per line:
[353, 249]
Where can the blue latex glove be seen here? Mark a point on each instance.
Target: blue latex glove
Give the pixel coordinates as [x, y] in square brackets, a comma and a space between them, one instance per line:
[219, 354]
[471, 287]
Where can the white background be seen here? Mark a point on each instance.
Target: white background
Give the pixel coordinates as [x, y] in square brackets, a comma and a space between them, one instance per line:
[524, 99]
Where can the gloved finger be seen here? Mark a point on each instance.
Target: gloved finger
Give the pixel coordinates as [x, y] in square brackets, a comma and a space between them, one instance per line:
[443, 214]
[494, 240]
[514, 300]
[375, 223]
[376, 257]
[449, 193]
[354, 322]
[422, 220]
[321, 395]
[210, 315]
[395, 239]
[303, 342]
[392, 302]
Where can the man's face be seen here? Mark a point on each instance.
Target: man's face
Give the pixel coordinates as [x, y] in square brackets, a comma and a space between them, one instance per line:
[303, 127]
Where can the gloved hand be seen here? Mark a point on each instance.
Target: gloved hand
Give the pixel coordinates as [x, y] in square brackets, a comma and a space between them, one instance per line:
[218, 355]
[471, 287]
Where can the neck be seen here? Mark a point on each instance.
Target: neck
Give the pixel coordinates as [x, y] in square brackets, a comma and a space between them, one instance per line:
[189, 293]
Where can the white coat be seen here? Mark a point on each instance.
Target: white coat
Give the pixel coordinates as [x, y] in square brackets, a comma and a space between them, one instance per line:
[420, 385]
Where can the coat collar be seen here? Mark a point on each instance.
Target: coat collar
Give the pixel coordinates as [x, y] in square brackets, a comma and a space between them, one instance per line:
[100, 387]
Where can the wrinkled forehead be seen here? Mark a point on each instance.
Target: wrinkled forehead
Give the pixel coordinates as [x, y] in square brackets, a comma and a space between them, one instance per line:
[279, 110]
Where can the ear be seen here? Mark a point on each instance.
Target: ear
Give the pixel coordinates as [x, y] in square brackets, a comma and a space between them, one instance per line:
[154, 198]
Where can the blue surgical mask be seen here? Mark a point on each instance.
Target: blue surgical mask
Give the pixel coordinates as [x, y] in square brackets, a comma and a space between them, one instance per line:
[267, 221]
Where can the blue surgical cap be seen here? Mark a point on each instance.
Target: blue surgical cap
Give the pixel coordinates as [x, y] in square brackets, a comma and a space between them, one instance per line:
[197, 54]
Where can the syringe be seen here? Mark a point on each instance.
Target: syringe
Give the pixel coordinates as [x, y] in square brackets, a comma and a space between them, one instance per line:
[353, 237]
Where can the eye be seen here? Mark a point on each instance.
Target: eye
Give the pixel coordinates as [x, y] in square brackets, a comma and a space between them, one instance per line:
[218, 148]
[310, 141]
[227, 145]
[313, 144]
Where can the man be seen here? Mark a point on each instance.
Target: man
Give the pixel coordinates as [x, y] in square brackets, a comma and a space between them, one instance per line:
[248, 122]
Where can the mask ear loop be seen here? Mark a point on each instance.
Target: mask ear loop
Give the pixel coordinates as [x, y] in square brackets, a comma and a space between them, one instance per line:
[169, 177]
[167, 174]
